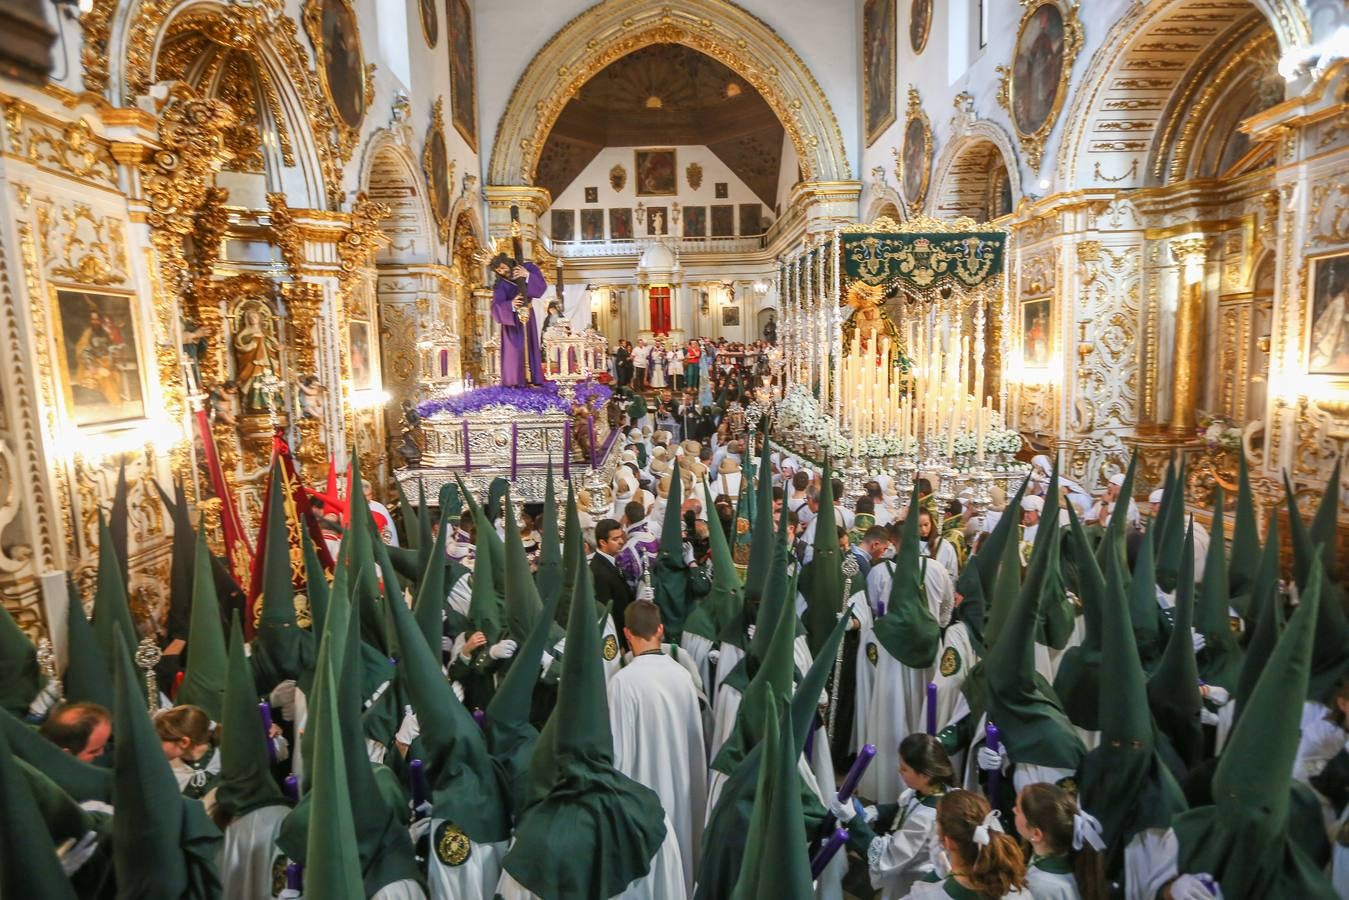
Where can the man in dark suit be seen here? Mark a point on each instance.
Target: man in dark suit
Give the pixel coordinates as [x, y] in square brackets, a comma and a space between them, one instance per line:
[611, 588]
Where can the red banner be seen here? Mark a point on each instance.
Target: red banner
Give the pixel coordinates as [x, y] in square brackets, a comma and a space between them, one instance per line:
[238, 552]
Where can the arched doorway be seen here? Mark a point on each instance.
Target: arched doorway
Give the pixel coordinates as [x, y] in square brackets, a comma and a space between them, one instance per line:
[975, 182]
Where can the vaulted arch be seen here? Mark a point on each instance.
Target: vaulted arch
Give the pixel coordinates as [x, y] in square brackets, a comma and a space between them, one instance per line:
[976, 174]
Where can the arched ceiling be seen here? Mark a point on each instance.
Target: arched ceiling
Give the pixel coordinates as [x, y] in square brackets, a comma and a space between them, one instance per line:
[666, 95]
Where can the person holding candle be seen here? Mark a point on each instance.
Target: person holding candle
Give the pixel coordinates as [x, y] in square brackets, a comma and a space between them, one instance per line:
[899, 840]
[1065, 842]
[984, 861]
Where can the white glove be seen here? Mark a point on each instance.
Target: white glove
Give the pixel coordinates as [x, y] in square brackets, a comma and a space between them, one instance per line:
[458, 690]
[991, 760]
[422, 810]
[840, 810]
[749, 632]
[283, 697]
[419, 827]
[1208, 717]
[870, 814]
[646, 592]
[446, 644]
[1198, 639]
[714, 656]
[289, 894]
[282, 747]
[1194, 887]
[502, 649]
[76, 853]
[1216, 695]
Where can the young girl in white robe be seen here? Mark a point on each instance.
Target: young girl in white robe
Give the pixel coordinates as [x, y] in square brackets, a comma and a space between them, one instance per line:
[934, 546]
[1065, 862]
[982, 861]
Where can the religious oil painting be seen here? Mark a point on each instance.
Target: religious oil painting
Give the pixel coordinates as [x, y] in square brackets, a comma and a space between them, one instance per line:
[1329, 350]
[723, 221]
[463, 91]
[564, 225]
[920, 24]
[592, 224]
[695, 221]
[1035, 335]
[730, 315]
[656, 221]
[342, 64]
[878, 66]
[722, 190]
[620, 224]
[751, 218]
[917, 159]
[438, 171]
[100, 357]
[362, 375]
[430, 21]
[592, 195]
[1037, 67]
[655, 173]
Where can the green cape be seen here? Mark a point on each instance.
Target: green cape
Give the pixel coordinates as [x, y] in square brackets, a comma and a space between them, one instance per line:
[204, 682]
[908, 631]
[246, 781]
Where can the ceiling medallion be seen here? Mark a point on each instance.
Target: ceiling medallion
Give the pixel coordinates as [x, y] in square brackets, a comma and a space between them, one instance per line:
[618, 177]
[694, 173]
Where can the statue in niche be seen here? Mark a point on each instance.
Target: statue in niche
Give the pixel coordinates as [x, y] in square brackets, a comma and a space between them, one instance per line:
[311, 392]
[257, 355]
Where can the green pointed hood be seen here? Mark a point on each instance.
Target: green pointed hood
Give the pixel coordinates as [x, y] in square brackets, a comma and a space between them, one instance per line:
[204, 682]
[908, 631]
[594, 830]
[164, 847]
[1123, 780]
[429, 606]
[777, 858]
[110, 602]
[1265, 620]
[1035, 729]
[757, 510]
[1144, 612]
[20, 678]
[523, 603]
[1330, 658]
[484, 606]
[1116, 533]
[767, 693]
[1170, 547]
[573, 558]
[824, 592]
[496, 492]
[778, 594]
[1323, 535]
[486, 531]
[1006, 590]
[423, 522]
[119, 522]
[411, 520]
[1220, 660]
[1243, 838]
[1159, 529]
[464, 784]
[277, 651]
[363, 565]
[548, 575]
[1077, 681]
[1245, 542]
[669, 576]
[724, 602]
[1173, 689]
[246, 781]
[975, 584]
[315, 587]
[29, 866]
[87, 666]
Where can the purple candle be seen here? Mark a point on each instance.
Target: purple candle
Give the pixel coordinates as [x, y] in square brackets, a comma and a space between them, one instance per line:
[859, 766]
[468, 460]
[810, 738]
[994, 777]
[420, 790]
[590, 423]
[991, 737]
[295, 876]
[265, 711]
[480, 717]
[880, 609]
[291, 788]
[515, 441]
[828, 851]
[932, 707]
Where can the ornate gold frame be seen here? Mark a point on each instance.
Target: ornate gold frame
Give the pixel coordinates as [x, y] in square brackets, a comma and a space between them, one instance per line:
[636, 171]
[1337, 383]
[457, 116]
[927, 29]
[890, 116]
[347, 135]
[1033, 143]
[913, 113]
[138, 329]
[431, 39]
[437, 130]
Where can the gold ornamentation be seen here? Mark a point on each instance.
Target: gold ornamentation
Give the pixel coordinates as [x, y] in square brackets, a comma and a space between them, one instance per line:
[97, 27]
[1033, 143]
[618, 177]
[92, 249]
[694, 174]
[347, 132]
[610, 649]
[359, 243]
[286, 233]
[435, 155]
[950, 662]
[872, 653]
[915, 117]
[452, 846]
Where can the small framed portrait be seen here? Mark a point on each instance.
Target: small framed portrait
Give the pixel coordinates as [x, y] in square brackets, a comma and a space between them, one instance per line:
[1328, 351]
[463, 74]
[721, 189]
[1034, 87]
[362, 372]
[592, 224]
[916, 154]
[751, 218]
[695, 221]
[920, 24]
[430, 21]
[723, 221]
[438, 168]
[1035, 333]
[655, 173]
[620, 224]
[878, 67]
[337, 41]
[656, 221]
[98, 340]
[564, 224]
[730, 315]
[592, 195]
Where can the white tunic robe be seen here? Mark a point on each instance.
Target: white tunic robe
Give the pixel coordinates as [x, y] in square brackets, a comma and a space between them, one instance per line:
[664, 881]
[906, 853]
[248, 853]
[658, 742]
[475, 878]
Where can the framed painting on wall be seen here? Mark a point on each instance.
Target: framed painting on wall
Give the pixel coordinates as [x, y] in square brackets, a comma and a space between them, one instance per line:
[878, 67]
[592, 224]
[99, 355]
[1034, 87]
[564, 225]
[1035, 333]
[620, 224]
[751, 218]
[1328, 348]
[723, 221]
[463, 77]
[916, 153]
[695, 221]
[592, 195]
[722, 190]
[362, 374]
[655, 173]
[730, 315]
[920, 24]
[430, 22]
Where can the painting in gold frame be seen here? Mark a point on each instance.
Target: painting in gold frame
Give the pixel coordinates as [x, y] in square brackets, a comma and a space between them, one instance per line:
[99, 355]
[1036, 333]
[438, 169]
[336, 36]
[1035, 86]
[916, 153]
[654, 173]
[430, 21]
[920, 24]
[1328, 334]
[463, 74]
[362, 371]
[878, 67]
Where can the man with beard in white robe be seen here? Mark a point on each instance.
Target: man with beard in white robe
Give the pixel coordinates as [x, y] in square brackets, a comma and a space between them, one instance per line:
[658, 729]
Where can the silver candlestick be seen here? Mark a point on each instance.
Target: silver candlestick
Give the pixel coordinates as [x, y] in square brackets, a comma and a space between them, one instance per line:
[850, 570]
[147, 657]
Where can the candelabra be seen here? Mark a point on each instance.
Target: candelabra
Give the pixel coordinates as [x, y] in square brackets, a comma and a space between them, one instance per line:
[46, 663]
[147, 657]
[753, 415]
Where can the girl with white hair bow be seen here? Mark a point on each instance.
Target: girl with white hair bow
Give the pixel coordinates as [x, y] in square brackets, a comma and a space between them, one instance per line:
[983, 860]
[1065, 841]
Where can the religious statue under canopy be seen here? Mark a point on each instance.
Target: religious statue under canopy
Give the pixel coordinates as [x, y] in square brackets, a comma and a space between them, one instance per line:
[521, 352]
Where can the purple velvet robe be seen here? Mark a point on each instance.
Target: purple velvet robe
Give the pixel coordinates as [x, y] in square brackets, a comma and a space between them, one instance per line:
[519, 342]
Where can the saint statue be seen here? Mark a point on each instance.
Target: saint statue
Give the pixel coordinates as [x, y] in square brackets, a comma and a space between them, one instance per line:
[256, 352]
[521, 353]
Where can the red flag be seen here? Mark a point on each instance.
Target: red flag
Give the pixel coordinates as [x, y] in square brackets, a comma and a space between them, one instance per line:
[238, 552]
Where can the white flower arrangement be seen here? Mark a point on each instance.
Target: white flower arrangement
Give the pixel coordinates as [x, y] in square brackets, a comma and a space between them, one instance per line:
[999, 440]
[964, 443]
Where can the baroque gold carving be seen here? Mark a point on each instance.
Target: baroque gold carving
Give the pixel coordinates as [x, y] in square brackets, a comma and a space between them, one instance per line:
[286, 234]
[81, 247]
[1033, 143]
[435, 156]
[346, 133]
[360, 242]
[66, 148]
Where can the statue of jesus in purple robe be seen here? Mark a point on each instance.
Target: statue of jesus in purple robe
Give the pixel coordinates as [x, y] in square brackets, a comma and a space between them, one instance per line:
[521, 353]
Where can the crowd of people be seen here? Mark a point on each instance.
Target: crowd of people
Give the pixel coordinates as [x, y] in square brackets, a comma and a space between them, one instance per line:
[700, 684]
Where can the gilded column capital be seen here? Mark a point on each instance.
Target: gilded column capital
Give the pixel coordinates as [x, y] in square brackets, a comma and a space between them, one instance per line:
[1190, 249]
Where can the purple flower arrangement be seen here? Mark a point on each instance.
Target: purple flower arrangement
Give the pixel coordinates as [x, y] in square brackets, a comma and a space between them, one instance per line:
[537, 400]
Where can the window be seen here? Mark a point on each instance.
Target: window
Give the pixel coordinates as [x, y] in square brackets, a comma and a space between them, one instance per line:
[983, 23]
